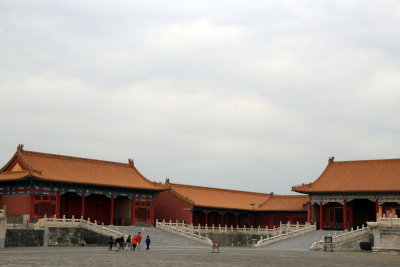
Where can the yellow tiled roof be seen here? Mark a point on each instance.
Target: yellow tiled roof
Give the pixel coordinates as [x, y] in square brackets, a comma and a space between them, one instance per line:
[68, 169]
[356, 176]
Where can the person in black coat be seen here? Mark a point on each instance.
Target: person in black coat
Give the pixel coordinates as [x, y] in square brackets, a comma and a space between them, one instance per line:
[148, 243]
[110, 242]
[121, 242]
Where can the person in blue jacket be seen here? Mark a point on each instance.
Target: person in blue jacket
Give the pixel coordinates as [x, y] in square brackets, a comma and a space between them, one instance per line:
[148, 242]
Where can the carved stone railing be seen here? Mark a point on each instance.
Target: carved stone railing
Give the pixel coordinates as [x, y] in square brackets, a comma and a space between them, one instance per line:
[386, 233]
[343, 238]
[64, 222]
[388, 220]
[3, 213]
[282, 235]
[3, 223]
[231, 229]
[181, 231]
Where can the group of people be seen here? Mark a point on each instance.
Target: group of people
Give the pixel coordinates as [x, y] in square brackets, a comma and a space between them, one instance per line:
[130, 243]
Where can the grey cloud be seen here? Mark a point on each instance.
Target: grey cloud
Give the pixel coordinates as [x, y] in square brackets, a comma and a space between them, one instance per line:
[239, 94]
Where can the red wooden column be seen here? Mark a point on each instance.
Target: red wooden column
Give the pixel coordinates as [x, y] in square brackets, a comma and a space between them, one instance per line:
[83, 205]
[112, 210]
[351, 215]
[58, 205]
[376, 209]
[31, 211]
[133, 211]
[321, 216]
[271, 222]
[236, 220]
[345, 214]
[309, 214]
[152, 213]
[222, 220]
[206, 218]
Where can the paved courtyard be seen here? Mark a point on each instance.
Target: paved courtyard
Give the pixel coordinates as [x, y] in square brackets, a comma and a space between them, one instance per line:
[200, 256]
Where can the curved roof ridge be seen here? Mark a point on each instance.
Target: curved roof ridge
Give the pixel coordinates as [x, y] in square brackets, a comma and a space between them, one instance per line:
[311, 183]
[141, 175]
[58, 156]
[222, 189]
[182, 198]
[15, 172]
[289, 196]
[266, 201]
[367, 161]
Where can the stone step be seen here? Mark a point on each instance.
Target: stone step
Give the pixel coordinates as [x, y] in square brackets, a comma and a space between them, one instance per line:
[159, 237]
[302, 242]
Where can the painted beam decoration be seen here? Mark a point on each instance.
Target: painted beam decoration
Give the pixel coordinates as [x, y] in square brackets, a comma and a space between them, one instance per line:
[54, 190]
[339, 198]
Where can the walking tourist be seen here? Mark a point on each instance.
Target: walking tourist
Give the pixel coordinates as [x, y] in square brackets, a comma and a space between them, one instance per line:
[139, 240]
[134, 242]
[121, 242]
[148, 242]
[110, 242]
[117, 243]
[128, 243]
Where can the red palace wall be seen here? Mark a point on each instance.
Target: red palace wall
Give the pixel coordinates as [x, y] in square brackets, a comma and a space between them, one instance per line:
[16, 204]
[168, 207]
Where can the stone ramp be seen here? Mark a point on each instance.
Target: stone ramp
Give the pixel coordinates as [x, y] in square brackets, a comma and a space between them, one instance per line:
[300, 243]
[159, 238]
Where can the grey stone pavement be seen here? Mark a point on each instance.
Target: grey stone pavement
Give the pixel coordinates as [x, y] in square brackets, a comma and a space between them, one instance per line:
[170, 250]
[164, 256]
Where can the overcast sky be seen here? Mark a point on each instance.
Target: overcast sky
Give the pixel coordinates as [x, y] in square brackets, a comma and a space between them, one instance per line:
[247, 95]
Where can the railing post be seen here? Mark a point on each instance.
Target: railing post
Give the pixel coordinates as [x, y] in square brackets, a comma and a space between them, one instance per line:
[63, 220]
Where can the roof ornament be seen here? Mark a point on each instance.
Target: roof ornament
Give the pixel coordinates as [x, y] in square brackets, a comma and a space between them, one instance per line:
[130, 162]
[20, 147]
[167, 181]
[331, 159]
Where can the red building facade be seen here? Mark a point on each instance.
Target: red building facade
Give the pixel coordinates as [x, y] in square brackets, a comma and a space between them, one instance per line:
[350, 193]
[213, 206]
[34, 184]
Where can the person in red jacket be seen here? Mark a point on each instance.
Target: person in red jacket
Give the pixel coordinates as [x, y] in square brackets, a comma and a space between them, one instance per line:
[134, 242]
[139, 239]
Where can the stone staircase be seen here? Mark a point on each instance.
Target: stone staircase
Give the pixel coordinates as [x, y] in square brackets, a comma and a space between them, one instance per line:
[160, 238]
[3, 224]
[301, 242]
